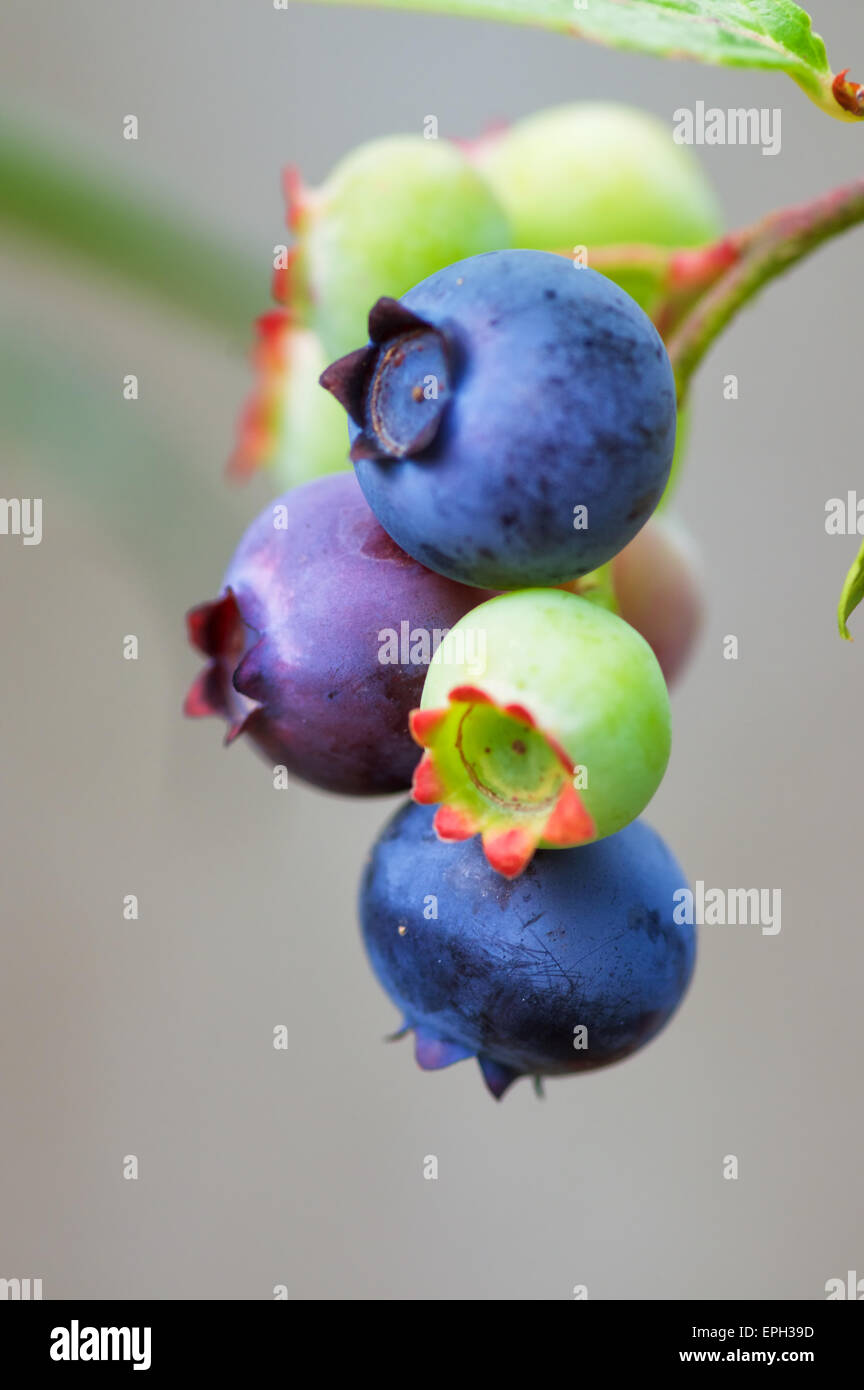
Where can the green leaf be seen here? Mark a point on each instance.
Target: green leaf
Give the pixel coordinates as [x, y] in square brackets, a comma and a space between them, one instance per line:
[853, 592]
[773, 34]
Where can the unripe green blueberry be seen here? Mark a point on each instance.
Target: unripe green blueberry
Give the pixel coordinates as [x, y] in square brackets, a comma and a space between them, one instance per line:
[599, 174]
[545, 720]
[391, 213]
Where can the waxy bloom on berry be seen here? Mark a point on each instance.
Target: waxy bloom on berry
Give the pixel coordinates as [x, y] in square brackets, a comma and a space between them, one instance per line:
[300, 651]
[573, 966]
[512, 419]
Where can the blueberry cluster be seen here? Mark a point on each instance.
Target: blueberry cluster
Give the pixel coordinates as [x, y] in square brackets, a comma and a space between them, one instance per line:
[477, 613]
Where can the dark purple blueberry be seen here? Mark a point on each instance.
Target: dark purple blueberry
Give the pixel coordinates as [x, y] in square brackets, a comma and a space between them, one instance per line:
[512, 420]
[320, 641]
[574, 965]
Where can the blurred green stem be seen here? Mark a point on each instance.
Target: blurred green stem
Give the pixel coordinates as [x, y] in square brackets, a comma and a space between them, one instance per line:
[54, 201]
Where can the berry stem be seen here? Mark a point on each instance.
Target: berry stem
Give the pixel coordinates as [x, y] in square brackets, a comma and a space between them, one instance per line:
[701, 290]
[763, 252]
[759, 254]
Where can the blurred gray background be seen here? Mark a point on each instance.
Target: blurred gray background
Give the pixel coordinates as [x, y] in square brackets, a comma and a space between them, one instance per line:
[154, 1038]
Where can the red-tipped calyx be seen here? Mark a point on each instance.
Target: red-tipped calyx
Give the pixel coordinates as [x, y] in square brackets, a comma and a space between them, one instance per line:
[296, 195]
[217, 631]
[427, 787]
[282, 284]
[453, 824]
[260, 420]
[849, 95]
[494, 772]
[509, 851]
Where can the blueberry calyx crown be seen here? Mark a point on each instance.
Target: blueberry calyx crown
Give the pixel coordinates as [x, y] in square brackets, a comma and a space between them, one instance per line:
[219, 632]
[395, 390]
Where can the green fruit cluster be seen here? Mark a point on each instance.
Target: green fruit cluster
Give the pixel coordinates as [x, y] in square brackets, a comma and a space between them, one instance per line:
[398, 209]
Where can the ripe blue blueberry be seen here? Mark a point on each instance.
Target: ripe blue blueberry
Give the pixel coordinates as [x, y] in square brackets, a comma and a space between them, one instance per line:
[512, 421]
[572, 966]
